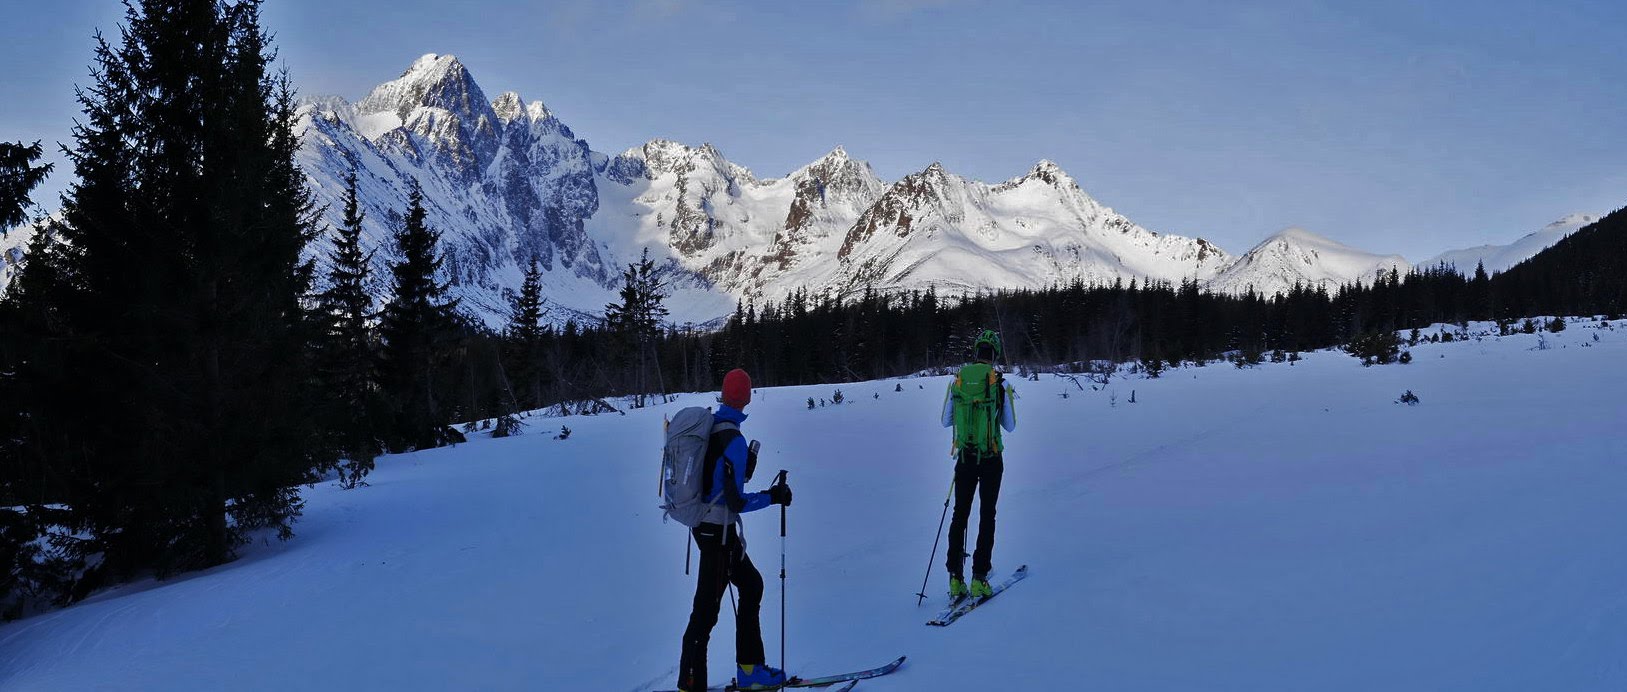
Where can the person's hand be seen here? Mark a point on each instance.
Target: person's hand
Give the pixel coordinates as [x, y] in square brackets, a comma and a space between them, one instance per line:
[780, 494]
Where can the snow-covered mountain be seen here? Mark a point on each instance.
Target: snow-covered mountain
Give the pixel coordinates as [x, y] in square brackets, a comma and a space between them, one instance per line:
[1296, 255]
[833, 226]
[939, 229]
[1500, 257]
[506, 182]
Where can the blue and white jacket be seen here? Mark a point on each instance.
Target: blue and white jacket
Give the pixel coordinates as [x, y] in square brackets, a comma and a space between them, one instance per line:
[728, 490]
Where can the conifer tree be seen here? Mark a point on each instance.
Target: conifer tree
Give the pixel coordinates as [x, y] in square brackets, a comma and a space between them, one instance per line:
[23, 573]
[525, 336]
[417, 326]
[174, 287]
[636, 322]
[349, 353]
[18, 176]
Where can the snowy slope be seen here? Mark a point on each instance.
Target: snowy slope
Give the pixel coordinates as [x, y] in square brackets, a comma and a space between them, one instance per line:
[1275, 528]
[1296, 255]
[1500, 257]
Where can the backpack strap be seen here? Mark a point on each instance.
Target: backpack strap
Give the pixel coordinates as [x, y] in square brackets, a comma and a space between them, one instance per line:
[723, 433]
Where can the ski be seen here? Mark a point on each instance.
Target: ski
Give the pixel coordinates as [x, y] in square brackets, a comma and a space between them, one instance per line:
[953, 604]
[823, 681]
[847, 677]
[968, 606]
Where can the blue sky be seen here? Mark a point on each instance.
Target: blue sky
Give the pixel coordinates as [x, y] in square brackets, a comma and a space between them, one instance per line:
[1405, 127]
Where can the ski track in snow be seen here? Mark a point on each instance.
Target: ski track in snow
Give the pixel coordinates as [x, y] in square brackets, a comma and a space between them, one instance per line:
[1280, 527]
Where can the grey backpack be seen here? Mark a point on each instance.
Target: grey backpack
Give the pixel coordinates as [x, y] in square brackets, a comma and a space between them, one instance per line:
[683, 465]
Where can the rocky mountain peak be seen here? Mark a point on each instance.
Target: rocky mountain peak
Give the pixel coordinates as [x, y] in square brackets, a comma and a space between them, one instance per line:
[508, 106]
[433, 81]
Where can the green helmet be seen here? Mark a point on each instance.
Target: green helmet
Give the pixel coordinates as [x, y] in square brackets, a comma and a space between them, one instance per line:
[989, 339]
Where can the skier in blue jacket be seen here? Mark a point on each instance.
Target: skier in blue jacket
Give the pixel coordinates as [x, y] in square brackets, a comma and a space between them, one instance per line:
[723, 552]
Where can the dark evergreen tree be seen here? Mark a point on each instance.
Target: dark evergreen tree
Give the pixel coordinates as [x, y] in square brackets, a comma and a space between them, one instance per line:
[636, 323]
[26, 571]
[348, 351]
[525, 335]
[18, 176]
[417, 329]
[174, 287]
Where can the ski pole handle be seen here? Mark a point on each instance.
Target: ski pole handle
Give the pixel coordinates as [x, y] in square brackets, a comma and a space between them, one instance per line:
[779, 479]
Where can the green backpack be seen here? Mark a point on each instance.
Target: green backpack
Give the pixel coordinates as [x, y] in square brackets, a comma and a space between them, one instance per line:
[976, 395]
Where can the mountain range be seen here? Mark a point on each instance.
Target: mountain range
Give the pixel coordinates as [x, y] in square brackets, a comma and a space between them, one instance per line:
[508, 183]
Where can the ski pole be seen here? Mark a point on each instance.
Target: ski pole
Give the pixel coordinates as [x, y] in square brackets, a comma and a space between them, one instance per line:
[935, 539]
[780, 480]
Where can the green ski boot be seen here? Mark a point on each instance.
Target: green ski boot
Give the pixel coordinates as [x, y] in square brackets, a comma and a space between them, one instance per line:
[957, 587]
[980, 587]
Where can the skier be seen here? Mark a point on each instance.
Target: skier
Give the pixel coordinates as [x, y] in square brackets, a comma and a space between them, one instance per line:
[723, 551]
[977, 406]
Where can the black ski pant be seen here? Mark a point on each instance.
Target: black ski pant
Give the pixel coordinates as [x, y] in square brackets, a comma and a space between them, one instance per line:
[976, 474]
[723, 561]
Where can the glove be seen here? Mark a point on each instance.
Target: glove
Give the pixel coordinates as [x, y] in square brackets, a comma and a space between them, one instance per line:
[751, 459]
[779, 495]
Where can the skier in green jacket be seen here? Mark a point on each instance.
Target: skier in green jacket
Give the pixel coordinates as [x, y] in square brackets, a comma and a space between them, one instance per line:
[977, 406]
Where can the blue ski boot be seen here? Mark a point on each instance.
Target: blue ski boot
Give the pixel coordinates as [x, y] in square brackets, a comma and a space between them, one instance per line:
[758, 677]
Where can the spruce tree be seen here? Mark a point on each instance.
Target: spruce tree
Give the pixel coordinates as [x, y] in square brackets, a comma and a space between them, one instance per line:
[348, 350]
[636, 323]
[525, 335]
[417, 325]
[174, 287]
[24, 567]
[18, 176]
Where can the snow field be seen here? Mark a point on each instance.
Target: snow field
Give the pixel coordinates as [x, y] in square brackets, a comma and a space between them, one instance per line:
[1279, 527]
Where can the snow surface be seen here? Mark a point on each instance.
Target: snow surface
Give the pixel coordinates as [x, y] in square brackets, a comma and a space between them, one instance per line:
[1285, 527]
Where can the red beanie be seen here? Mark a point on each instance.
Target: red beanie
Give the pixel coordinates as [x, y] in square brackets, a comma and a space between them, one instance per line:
[736, 389]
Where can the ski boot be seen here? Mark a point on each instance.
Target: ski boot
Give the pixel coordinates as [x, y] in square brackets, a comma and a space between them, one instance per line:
[957, 587]
[980, 586]
[758, 677]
